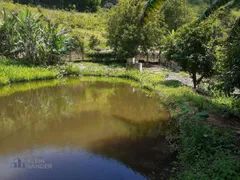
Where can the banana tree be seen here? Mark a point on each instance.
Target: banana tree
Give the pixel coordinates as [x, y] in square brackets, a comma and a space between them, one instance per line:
[25, 36]
[151, 7]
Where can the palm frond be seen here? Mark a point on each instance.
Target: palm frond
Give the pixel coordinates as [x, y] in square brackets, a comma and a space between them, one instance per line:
[235, 31]
[216, 5]
[151, 7]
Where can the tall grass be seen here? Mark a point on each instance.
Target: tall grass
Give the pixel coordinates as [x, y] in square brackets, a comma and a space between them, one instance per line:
[13, 72]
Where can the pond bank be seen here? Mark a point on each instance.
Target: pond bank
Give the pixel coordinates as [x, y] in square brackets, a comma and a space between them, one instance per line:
[204, 150]
[199, 144]
[15, 72]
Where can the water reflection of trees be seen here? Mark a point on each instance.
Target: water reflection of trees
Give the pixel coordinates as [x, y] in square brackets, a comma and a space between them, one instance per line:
[47, 104]
[109, 119]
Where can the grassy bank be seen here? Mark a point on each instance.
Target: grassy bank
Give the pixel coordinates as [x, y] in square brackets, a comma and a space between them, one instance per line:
[11, 72]
[14, 72]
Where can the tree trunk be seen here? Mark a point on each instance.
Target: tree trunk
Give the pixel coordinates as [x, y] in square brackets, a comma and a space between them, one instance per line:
[197, 81]
[194, 78]
[83, 55]
[159, 57]
[70, 57]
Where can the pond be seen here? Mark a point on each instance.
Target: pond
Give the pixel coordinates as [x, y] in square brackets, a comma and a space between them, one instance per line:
[82, 130]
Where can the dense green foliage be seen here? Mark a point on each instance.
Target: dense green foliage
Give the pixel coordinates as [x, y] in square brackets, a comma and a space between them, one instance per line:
[202, 47]
[124, 27]
[93, 42]
[232, 75]
[193, 48]
[205, 152]
[177, 13]
[151, 7]
[80, 5]
[24, 36]
[126, 34]
[217, 4]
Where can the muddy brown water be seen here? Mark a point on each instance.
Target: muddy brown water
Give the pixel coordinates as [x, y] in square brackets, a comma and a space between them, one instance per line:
[87, 130]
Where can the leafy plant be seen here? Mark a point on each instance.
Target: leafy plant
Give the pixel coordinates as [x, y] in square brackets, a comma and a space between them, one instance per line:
[25, 36]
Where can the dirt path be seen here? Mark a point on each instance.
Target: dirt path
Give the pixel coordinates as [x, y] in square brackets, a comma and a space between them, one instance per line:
[170, 75]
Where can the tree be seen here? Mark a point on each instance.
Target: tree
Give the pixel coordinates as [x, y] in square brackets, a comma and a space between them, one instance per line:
[153, 35]
[81, 5]
[126, 33]
[124, 27]
[93, 42]
[193, 49]
[232, 75]
[177, 13]
[231, 48]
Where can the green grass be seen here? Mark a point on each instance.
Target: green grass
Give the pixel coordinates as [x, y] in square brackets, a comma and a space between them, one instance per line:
[11, 73]
[14, 72]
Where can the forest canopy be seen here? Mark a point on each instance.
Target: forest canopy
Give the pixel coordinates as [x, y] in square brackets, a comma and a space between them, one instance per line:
[79, 5]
